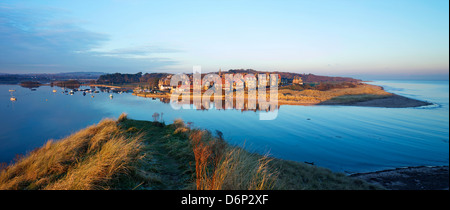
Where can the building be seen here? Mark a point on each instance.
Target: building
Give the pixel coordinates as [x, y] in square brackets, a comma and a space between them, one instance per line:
[297, 80]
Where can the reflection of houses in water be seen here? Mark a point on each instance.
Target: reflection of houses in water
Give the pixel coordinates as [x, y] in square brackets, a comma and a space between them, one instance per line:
[243, 105]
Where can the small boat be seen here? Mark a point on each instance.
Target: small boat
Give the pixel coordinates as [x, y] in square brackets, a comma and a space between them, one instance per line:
[92, 96]
[13, 98]
[12, 90]
[71, 92]
[84, 93]
[96, 91]
[55, 91]
[111, 96]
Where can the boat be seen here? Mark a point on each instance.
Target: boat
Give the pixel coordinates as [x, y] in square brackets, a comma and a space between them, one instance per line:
[13, 98]
[71, 92]
[55, 91]
[12, 90]
[84, 93]
[96, 91]
[92, 96]
[111, 96]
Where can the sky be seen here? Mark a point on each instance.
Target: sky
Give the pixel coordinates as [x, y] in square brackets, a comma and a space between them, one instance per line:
[362, 38]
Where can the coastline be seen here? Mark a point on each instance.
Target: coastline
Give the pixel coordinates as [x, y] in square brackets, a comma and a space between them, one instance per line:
[365, 95]
[340, 97]
[409, 178]
[393, 101]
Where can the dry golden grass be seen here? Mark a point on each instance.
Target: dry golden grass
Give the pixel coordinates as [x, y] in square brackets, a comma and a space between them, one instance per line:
[89, 159]
[220, 166]
[358, 93]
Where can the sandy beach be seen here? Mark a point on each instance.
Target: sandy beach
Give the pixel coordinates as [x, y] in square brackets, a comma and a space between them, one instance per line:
[393, 101]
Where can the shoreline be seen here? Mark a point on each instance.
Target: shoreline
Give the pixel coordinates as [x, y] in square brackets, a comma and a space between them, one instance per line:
[409, 178]
[390, 101]
[381, 99]
[393, 101]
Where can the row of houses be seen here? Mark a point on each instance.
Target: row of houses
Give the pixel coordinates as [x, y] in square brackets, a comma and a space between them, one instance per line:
[246, 81]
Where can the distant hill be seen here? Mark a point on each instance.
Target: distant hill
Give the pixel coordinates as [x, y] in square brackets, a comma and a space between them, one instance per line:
[47, 78]
[119, 78]
[307, 78]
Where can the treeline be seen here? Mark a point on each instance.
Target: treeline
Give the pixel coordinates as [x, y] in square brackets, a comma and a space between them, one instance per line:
[119, 78]
[30, 84]
[322, 86]
[308, 78]
[47, 78]
[316, 81]
[66, 84]
[312, 78]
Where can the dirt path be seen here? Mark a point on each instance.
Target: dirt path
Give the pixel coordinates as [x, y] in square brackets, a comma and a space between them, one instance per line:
[159, 169]
[169, 169]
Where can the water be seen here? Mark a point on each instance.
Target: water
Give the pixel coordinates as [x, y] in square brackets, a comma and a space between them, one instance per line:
[342, 138]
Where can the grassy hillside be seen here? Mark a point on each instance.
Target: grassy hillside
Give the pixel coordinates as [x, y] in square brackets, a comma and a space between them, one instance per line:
[142, 155]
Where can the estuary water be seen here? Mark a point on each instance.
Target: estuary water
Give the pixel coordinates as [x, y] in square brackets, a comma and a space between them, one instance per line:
[341, 138]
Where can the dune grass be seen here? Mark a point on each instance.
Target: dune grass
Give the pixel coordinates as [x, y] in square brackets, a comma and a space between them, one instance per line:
[362, 92]
[91, 159]
[143, 155]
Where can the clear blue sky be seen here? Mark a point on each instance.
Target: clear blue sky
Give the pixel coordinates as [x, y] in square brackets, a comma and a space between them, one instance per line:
[335, 37]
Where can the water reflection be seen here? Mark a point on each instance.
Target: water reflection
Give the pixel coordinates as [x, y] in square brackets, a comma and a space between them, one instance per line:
[237, 104]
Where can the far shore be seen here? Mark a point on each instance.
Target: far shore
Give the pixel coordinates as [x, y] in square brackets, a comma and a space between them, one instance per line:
[365, 96]
[393, 101]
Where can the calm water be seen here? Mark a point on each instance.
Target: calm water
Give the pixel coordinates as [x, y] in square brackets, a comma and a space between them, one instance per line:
[346, 139]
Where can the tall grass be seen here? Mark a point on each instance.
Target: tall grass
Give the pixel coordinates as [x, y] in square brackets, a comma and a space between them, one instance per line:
[89, 159]
[220, 166]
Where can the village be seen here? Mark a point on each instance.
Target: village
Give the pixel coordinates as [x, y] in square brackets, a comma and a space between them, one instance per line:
[229, 82]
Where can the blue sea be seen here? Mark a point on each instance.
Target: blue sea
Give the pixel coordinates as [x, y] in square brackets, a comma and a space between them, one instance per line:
[342, 138]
